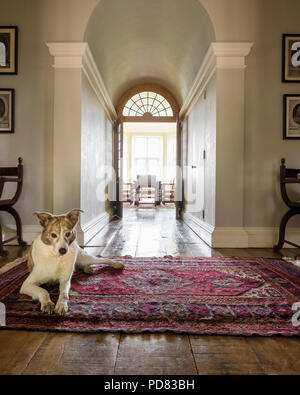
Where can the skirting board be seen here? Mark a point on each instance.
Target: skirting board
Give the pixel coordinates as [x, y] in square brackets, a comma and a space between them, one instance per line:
[201, 228]
[88, 231]
[248, 237]
[30, 232]
[85, 233]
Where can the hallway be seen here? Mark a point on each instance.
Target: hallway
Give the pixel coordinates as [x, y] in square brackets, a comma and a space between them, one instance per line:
[148, 232]
[210, 76]
[156, 232]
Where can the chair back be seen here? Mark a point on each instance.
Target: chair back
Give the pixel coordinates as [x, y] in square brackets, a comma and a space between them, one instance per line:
[146, 181]
[288, 176]
[9, 174]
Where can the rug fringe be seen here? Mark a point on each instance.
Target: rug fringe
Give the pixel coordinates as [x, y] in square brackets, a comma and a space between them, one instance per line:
[295, 261]
[12, 264]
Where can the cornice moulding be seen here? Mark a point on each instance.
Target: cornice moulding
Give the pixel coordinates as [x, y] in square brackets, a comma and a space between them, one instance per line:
[79, 56]
[220, 55]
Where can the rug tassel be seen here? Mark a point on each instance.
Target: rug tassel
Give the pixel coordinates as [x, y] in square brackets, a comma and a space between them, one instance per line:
[295, 262]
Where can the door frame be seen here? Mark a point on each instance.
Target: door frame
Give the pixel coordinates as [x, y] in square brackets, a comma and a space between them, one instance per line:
[147, 117]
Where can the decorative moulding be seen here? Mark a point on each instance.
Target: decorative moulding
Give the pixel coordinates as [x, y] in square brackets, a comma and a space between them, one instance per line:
[79, 56]
[235, 237]
[90, 230]
[218, 56]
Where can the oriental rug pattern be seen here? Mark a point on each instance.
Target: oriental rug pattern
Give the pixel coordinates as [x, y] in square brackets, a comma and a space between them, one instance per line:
[231, 296]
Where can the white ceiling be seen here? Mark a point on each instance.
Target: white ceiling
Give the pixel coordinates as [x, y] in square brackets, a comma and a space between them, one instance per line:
[149, 41]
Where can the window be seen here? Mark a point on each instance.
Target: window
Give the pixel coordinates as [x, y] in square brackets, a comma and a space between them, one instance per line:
[147, 156]
[125, 160]
[147, 103]
[171, 159]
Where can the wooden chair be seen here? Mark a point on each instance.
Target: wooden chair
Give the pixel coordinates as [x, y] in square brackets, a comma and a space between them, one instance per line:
[147, 190]
[168, 192]
[287, 176]
[14, 175]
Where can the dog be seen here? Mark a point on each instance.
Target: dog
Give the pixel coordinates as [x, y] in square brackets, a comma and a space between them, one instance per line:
[53, 256]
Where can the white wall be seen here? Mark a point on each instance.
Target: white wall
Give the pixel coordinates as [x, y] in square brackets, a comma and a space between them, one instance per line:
[264, 146]
[33, 86]
[201, 130]
[96, 153]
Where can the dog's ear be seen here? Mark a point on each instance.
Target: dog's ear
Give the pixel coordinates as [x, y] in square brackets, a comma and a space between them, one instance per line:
[73, 215]
[44, 218]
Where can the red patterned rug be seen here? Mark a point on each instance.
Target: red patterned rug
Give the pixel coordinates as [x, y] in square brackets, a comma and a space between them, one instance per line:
[230, 296]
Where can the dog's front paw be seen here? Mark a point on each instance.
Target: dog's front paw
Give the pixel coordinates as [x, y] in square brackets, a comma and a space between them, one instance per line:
[117, 265]
[88, 269]
[47, 307]
[61, 308]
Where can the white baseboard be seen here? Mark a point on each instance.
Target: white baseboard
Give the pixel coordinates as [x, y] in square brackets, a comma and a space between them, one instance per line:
[248, 237]
[201, 228]
[268, 237]
[30, 232]
[230, 238]
[85, 233]
[88, 231]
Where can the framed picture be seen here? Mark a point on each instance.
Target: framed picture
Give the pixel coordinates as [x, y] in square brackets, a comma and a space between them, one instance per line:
[291, 118]
[291, 58]
[8, 49]
[7, 102]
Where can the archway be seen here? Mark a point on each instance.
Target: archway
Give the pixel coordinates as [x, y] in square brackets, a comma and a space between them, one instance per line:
[160, 42]
[140, 105]
[171, 50]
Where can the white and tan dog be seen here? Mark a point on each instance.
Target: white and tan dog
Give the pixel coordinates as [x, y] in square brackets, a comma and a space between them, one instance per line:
[53, 257]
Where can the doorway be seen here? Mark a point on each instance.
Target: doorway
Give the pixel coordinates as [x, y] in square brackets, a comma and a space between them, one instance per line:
[147, 151]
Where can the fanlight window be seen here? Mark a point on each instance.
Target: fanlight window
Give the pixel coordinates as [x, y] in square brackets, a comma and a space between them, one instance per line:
[145, 103]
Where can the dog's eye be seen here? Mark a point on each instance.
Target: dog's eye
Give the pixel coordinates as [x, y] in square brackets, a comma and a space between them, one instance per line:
[68, 234]
[53, 235]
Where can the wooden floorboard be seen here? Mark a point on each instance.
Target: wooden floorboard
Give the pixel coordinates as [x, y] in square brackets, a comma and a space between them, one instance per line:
[148, 232]
[64, 353]
[225, 355]
[155, 354]
[17, 349]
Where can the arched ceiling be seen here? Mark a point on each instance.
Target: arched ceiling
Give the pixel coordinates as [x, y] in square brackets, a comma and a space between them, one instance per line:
[149, 41]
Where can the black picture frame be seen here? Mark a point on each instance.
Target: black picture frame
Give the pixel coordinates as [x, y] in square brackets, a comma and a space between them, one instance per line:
[290, 73]
[9, 49]
[7, 110]
[291, 117]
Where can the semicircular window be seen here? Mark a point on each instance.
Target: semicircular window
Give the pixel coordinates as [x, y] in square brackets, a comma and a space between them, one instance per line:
[147, 103]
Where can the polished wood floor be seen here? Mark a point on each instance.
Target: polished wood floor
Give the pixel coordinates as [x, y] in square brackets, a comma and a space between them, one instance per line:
[148, 232]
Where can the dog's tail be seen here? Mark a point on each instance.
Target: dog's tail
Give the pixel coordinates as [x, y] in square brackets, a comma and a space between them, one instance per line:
[12, 264]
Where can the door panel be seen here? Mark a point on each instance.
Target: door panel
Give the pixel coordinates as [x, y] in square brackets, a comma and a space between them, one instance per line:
[118, 167]
[179, 185]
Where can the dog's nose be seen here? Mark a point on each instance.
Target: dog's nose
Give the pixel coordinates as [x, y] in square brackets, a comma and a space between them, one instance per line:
[62, 251]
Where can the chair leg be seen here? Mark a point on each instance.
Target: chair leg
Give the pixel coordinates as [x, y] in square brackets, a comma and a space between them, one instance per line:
[282, 228]
[2, 251]
[17, 218]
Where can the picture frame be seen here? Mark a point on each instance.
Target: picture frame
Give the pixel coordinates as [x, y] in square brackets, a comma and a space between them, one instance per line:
[291, 118]
[8, 50]
[291, 58]
[7, 110]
